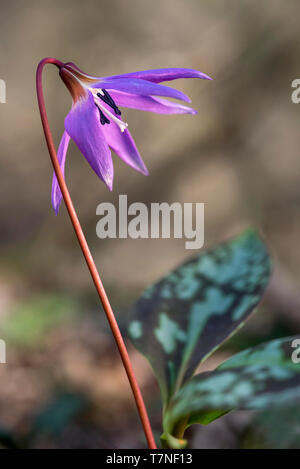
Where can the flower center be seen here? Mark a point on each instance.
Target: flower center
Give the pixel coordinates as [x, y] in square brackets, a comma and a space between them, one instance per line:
[101, 95]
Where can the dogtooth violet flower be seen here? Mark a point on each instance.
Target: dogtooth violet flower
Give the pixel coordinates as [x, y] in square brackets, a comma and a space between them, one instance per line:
[95, 123]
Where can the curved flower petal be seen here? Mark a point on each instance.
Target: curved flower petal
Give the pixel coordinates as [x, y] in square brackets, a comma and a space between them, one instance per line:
[163, 74]
[136, 86]
[56, 195]
[148, 103]
[123, 145]
[83, 125]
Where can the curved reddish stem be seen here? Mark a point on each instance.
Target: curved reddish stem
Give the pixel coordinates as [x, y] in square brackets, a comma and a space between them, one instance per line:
[89, 259]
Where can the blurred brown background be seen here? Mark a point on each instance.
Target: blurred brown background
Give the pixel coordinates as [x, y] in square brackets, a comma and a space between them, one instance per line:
[63, 385]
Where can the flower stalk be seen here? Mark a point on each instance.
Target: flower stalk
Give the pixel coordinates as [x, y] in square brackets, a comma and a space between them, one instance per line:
[89, 258]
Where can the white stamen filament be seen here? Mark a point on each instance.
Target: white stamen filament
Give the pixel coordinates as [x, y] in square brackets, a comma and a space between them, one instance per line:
[122, 125]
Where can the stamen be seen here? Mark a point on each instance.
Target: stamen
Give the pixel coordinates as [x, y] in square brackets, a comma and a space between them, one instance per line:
[107, 99]
[122, 125]
[113, 104]
[103, 118]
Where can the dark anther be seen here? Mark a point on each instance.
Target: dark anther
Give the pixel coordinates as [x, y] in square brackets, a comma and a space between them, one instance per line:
[103, 118]
[107, 99]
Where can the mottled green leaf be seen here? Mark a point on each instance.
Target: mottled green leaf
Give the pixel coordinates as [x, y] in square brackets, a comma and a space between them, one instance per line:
[263, 377]
[276, 352]
[182, 319]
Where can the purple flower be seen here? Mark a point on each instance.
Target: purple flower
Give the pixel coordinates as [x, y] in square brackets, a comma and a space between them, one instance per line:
[95, 123]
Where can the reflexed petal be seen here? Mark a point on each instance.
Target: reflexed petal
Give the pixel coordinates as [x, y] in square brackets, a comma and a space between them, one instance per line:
[144, 87]
[56, 195]
[163, 74]
[83, 125]
[123, 145]
[148, 103]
